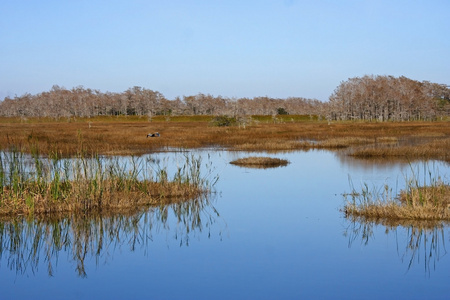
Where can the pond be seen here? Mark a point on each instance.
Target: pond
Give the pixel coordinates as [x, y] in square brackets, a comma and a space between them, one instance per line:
[273, 233]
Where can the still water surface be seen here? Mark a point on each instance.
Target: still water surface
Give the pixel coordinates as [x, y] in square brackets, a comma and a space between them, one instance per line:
[263, 234]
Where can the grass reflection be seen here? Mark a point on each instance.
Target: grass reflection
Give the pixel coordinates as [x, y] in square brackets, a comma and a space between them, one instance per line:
[36, 185]
[27, 244]
[418, 242]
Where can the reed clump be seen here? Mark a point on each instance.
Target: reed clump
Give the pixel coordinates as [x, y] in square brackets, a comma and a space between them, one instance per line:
[260, 162]
[31, 184]
[424, 203]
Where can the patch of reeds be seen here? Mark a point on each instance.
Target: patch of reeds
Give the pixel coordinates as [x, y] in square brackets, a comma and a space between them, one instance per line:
[428, 202]
[260, 162]
[31, 184]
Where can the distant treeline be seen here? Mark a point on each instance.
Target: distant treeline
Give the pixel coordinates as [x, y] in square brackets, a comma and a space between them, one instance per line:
[362, 98]
[389, 98]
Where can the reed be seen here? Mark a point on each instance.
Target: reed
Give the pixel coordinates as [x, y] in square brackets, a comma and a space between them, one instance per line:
[427, 202]
[31, 184]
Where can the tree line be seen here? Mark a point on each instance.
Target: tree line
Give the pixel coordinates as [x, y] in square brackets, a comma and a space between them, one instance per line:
[389, 98]
[380, 98]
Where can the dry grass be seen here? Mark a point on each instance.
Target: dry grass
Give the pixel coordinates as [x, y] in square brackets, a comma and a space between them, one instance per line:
[436, 195]
[429, 203]
[436, 149]
[113, 198]
[35, 185]
[344, 142]
[260, 162]
[127, 135]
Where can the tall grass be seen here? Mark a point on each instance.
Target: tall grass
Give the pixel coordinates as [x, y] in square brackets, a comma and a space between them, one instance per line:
[31, 184]
[429, 201]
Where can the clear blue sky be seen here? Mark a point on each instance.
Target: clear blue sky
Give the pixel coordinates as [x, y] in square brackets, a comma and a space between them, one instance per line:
[235, 48]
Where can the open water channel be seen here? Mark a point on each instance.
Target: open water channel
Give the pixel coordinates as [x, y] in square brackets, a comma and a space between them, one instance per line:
[263, 234]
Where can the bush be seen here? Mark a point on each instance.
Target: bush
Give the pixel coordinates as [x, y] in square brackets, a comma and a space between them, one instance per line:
[282, 111]
[222, 121]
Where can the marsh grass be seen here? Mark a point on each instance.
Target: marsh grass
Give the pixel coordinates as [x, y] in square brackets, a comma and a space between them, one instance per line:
[260, 162]
[31, 184]
[344, 142]
[427, 202]
[437, 149]
[127, 135]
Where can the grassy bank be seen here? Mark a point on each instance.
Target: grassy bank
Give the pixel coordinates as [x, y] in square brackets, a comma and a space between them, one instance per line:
[30, 184]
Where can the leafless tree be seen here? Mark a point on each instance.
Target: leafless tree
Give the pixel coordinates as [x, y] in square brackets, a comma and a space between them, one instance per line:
[378, 98]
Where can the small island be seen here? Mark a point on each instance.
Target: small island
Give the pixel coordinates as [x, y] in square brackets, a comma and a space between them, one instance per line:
[260, 162]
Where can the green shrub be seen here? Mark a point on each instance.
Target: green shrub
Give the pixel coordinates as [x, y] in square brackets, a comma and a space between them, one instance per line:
[223, 121]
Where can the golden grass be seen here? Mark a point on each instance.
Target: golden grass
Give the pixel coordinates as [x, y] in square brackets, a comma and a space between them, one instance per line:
[36, 185]
[437, 195]
[436, 149]
[127, 135]
[78, 199]
[260, 162]
[344, 142]
[428, 203]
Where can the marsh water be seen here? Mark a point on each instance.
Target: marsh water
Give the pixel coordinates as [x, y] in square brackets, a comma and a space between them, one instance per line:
[273, 233]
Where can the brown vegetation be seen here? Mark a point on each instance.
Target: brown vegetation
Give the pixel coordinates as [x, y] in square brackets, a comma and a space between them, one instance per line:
[31, 185]
[137, 101]
[436, 149]
[78, 198]
[385, 98]
[260, 162]
[427, 203]
[381, 98]
[127, 135]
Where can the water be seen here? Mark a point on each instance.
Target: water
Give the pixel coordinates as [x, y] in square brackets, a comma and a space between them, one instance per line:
[264, 234]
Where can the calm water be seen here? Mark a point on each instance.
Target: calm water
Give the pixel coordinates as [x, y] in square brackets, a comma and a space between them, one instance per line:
[264, 234]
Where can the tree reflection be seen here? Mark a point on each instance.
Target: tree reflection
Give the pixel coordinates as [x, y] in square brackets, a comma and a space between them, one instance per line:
[418, 242]
[27, 244]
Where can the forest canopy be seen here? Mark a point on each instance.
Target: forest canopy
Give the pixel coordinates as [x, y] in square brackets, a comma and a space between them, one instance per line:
[379, 98]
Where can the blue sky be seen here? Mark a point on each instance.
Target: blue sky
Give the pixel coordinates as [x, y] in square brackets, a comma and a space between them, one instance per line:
[278, 48]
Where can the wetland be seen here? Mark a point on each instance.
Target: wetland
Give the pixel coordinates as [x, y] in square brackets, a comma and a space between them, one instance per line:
[277, 232]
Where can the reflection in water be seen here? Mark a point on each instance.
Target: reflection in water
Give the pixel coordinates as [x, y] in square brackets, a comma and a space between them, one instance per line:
[424, 243]
[367, 164]
[24, 244]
